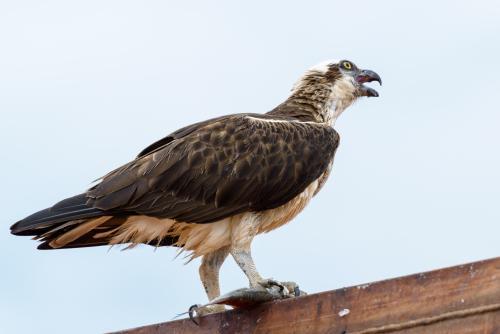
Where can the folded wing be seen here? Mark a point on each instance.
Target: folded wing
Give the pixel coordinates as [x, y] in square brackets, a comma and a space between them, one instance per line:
[220, 168]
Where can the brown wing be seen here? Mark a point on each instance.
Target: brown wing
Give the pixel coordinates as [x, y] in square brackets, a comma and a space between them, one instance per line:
[219, 168]
[178, 134]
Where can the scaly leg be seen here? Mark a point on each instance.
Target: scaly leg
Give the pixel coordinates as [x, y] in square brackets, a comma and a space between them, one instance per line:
[241, 239]
[209, 274]
[243, 258]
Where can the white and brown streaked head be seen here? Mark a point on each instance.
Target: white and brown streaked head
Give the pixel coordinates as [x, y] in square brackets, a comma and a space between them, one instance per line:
[327, 89]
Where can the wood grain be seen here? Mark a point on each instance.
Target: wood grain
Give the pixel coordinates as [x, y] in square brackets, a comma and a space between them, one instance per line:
[459, 300]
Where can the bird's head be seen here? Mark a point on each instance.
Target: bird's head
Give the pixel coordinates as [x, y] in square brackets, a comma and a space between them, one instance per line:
[342, 74]
[334, 85]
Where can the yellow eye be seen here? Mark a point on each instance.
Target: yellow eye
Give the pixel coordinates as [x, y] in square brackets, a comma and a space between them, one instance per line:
[347, 65]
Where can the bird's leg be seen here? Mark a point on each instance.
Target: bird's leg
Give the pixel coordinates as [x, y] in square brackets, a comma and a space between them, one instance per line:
[242, 235]
[243, 258]
[241, 239]
[209, 271]
[209, 275]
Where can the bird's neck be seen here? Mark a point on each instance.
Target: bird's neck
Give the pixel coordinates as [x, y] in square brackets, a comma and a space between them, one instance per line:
[314, 100]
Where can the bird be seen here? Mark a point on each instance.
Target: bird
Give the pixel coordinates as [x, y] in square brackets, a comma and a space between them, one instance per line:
[211, 187]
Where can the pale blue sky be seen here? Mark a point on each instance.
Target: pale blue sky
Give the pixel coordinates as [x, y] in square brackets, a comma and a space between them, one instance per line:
[85, 85]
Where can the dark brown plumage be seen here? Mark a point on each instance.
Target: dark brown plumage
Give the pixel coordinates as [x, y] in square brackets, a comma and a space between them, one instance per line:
[222, 167]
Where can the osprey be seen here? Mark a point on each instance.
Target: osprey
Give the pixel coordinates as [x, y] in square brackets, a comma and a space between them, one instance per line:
[211, 187]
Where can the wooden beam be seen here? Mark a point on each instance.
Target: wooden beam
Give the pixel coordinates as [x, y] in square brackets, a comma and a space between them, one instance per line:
[458, 300]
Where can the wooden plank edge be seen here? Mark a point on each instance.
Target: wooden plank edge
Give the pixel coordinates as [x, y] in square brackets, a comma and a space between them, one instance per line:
[389, 305]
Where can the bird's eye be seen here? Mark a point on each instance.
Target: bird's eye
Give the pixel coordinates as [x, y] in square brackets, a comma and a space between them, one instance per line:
[347, 65]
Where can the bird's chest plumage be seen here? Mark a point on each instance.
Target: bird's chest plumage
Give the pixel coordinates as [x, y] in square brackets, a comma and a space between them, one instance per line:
[274, 218]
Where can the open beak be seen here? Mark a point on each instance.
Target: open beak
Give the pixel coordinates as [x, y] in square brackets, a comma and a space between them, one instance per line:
[364, 76]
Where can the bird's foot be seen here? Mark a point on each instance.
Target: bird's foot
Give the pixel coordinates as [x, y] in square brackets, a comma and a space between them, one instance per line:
[285, 289]
[197, 311]
[263, 291]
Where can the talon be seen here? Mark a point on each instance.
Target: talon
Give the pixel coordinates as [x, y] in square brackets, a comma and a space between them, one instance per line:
[268, 283]
[292, 286]
[193, 313]
[285, 288]
[278, 284]
[196, 311]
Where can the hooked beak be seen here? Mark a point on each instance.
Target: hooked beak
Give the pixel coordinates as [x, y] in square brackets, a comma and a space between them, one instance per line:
[364, 76]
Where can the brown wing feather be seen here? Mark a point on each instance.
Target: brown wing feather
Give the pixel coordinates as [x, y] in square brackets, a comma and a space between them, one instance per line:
[177, 134]
[219, 168]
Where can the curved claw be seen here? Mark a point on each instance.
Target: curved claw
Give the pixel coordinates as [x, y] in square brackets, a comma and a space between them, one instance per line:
[286, 289]
[294, 289]
[269, 283]
[193, 313]
[196, 311]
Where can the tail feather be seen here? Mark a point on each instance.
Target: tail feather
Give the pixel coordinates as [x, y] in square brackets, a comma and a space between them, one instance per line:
[70, 209]
[71, 223]
[81, 233]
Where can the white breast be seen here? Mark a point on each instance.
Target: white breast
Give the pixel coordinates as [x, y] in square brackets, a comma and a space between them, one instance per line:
[274, 218]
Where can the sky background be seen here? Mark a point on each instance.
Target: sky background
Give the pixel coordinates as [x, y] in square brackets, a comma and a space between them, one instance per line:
[85, 85]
